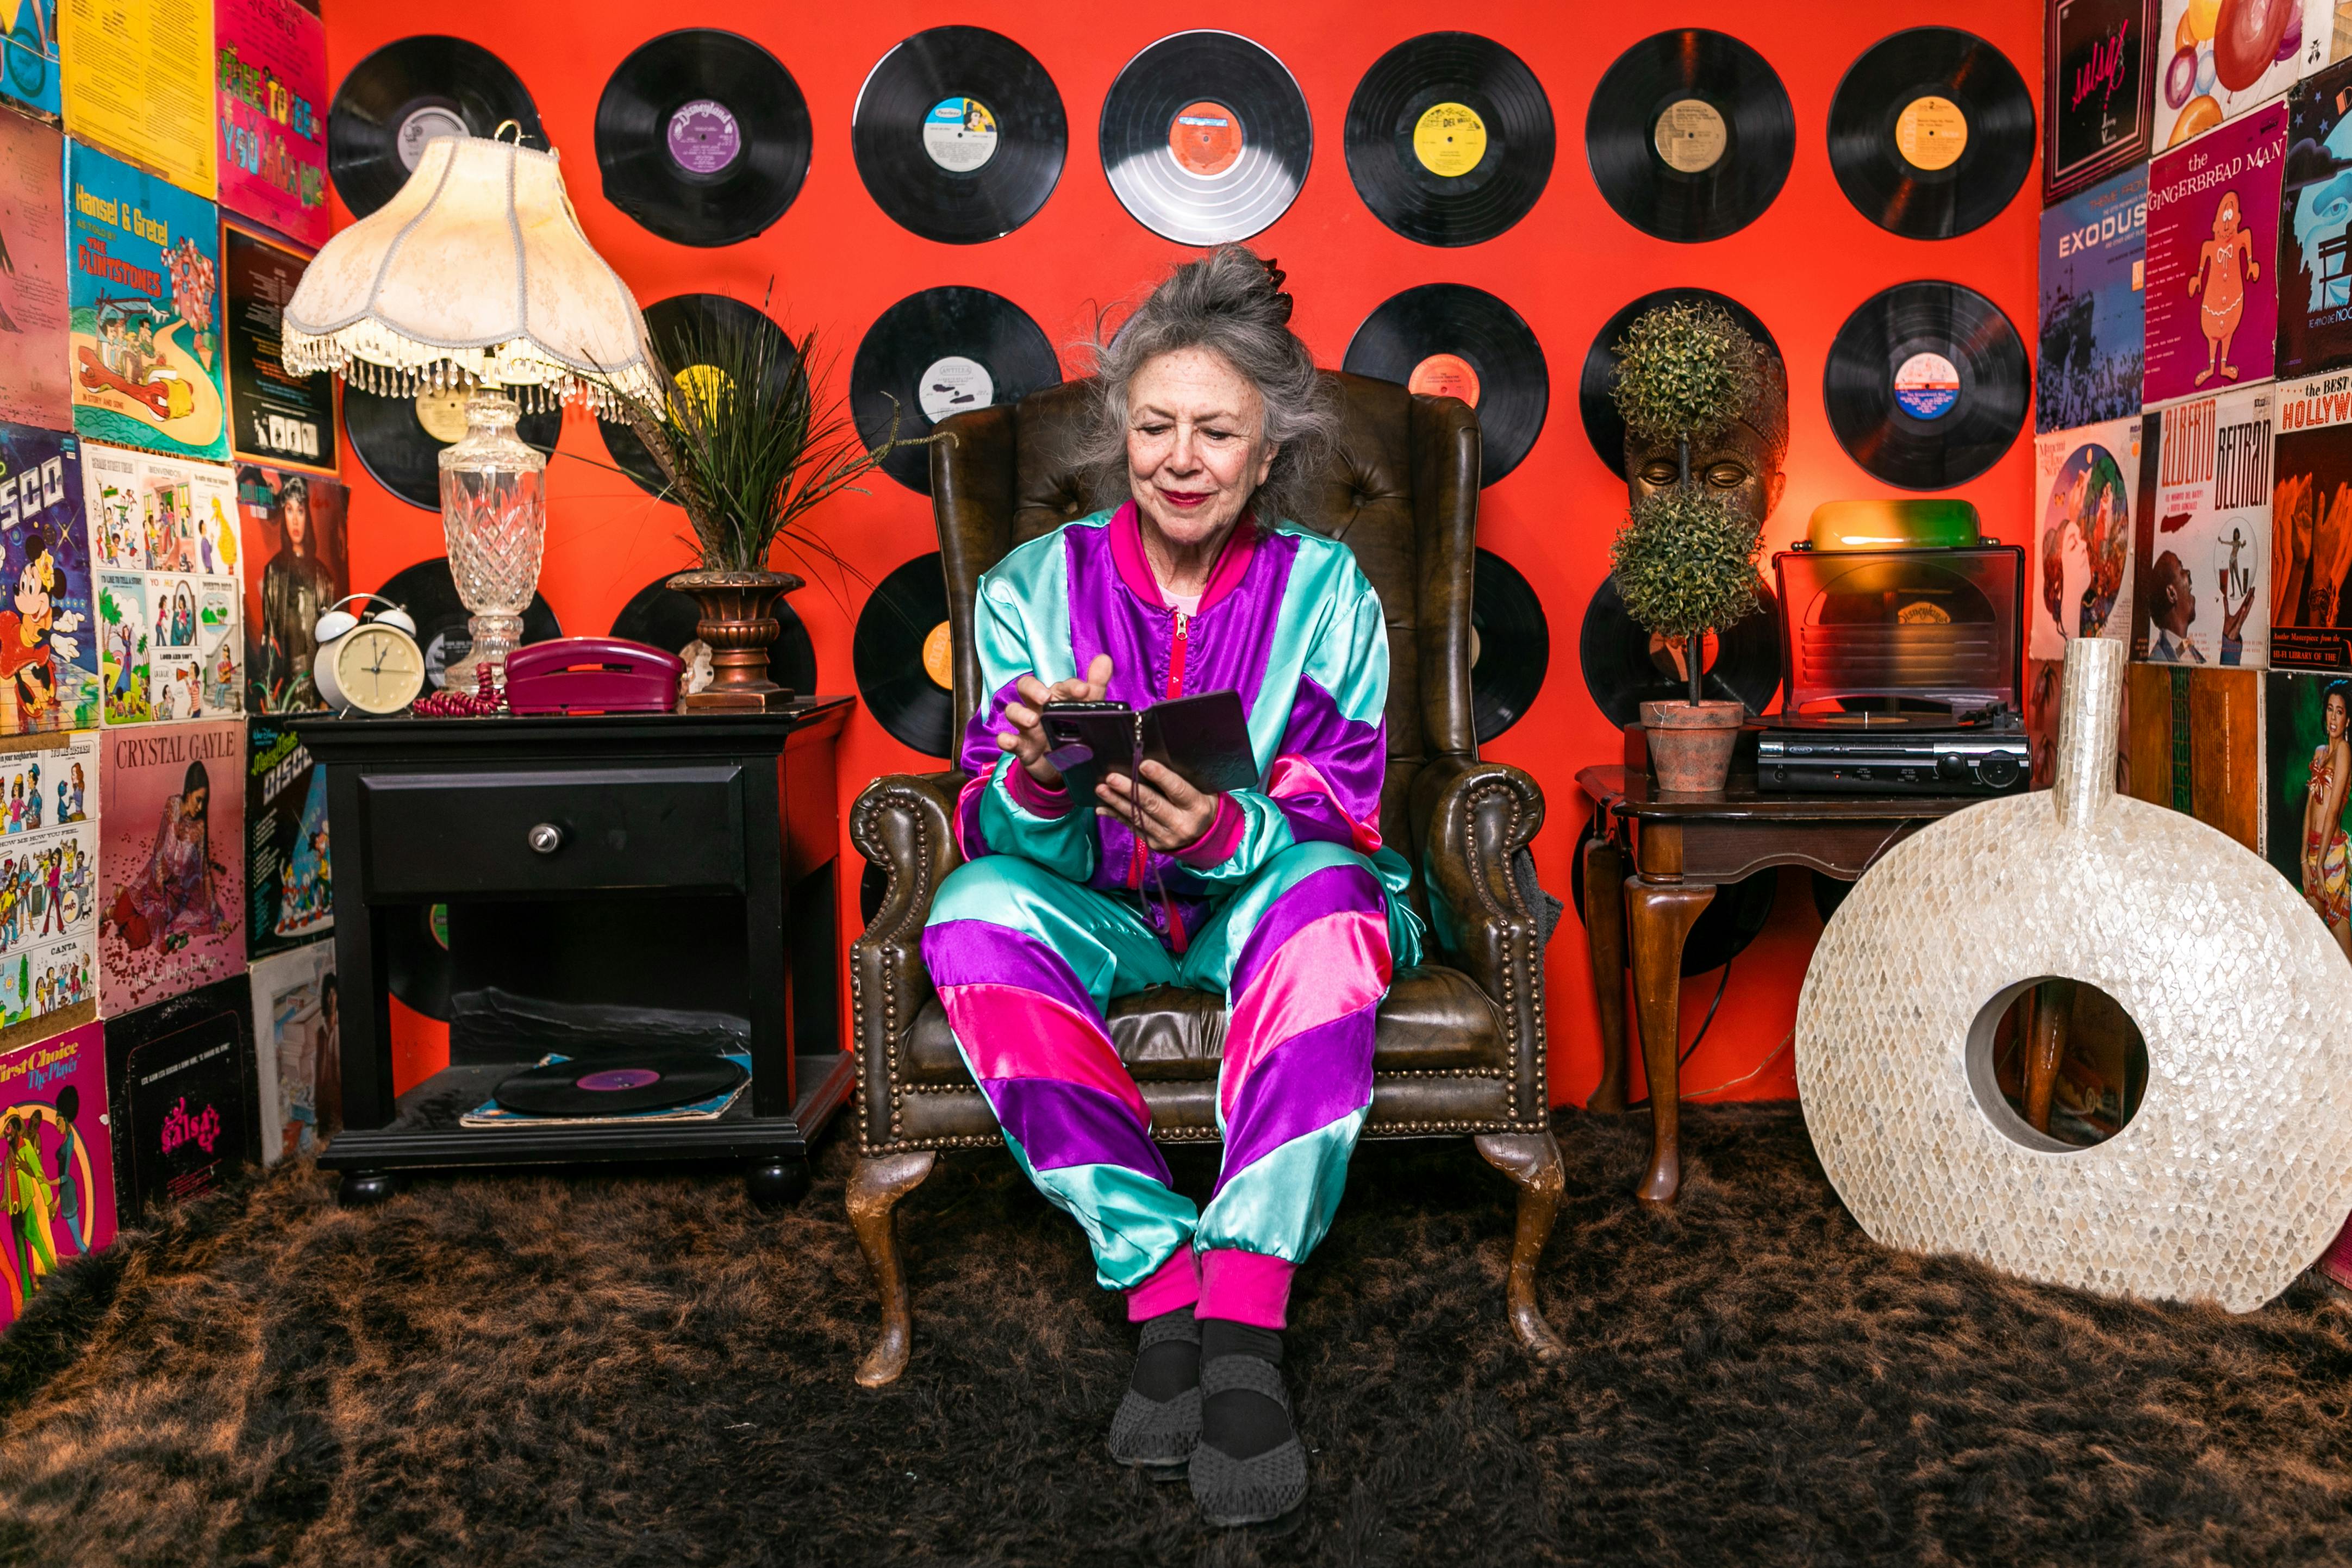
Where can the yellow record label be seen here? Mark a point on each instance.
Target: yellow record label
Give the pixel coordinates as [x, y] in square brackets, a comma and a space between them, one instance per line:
[1690, 135]
[939, 657]
[442, 416]
[1931, 133]
[1450, 139]
[701, 385]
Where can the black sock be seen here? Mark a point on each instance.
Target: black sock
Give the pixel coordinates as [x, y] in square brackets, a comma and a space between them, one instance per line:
[1237, 1422]
[1164, 1370]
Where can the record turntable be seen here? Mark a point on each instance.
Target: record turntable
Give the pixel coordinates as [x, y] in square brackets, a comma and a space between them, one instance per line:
[1980, 753]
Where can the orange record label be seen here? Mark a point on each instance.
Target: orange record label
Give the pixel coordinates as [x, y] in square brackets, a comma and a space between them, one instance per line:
[939, 657]
[1206, 137]
[1445, 375]
[1690, 135]
[1931, 133]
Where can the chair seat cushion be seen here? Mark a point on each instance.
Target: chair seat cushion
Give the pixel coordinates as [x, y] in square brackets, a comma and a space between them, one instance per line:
[1435, 1020]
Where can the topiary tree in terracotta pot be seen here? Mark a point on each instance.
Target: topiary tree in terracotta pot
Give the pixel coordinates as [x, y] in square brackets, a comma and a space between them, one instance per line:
[1685, 558]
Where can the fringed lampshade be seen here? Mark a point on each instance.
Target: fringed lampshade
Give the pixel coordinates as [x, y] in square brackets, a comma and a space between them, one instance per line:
[476, 271]
[476, 275]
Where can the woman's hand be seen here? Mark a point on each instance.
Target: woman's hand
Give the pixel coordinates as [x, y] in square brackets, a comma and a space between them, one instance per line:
[1027, 738]
[1167, 812]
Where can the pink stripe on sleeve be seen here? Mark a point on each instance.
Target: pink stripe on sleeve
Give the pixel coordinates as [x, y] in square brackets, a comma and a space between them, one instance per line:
[1293, 776]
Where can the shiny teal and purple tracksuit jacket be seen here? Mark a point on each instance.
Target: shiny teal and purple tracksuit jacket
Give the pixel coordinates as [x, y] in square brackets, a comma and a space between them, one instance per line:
[1288, 905]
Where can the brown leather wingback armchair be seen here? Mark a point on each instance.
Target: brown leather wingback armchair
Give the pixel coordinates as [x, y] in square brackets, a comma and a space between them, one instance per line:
[1459, 1045]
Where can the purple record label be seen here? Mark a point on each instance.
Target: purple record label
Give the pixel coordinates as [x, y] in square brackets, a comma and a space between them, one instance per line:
[703, 136]
[621, 1077]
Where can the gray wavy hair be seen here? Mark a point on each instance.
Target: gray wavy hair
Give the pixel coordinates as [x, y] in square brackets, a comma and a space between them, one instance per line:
[1231, 303]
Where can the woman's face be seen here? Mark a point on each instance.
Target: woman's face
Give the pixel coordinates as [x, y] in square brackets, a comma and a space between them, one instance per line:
[1196, 447]
[191, 805]
[2335, 718]
[297, 522]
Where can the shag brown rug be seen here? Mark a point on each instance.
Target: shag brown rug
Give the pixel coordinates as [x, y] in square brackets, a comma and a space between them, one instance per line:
[620, 1371]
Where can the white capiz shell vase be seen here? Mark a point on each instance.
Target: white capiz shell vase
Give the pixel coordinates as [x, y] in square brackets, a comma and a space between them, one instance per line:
[2236, 1171]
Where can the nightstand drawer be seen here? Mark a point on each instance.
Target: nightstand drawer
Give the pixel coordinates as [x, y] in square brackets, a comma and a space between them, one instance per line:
[540, 831]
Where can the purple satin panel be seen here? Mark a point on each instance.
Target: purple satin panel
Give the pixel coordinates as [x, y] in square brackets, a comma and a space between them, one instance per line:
[1352, 756]
[970, 839]
[979, 748]
[1334, 890]
[1107, 618]
[1309, 1080]
[1229, 643]
[1059, 1125]
[979, 953]
[1314, 819]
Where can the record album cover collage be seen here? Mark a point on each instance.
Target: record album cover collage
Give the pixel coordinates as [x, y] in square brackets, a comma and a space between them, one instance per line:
[2193, 413]
[171, 522]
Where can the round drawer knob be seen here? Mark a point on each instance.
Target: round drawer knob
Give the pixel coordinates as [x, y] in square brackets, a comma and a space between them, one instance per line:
[547, 838]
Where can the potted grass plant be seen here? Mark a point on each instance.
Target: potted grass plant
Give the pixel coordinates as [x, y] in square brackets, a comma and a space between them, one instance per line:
[748, 443]
[1686, 557]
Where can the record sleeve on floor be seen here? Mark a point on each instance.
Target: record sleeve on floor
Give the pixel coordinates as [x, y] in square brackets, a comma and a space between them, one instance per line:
[2212, 252]
[2215, 61]
[1449, 339]
[904, 656]
[1926, 385]
[1596, 385]
[1510, 646]
[1931, 133]
[403, 96]
[681, 327]
[703, 137]
[943, 351]
[959, 134]
[1206, 137]
[661, 617]
[399, 440]
[1449, 139]
[2193, 741]
[2093, 321]
[1690, 135]
[2098, 85]
[2201, 550]
[2089, 486]
[430, 593]
[1626, 664]
[2314, 280]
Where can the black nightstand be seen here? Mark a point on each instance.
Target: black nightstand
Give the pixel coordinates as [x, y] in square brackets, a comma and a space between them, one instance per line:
[609, 880]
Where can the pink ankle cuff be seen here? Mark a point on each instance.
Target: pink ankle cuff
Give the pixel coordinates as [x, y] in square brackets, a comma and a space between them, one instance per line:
[1245, 1288]
[1175, 1283]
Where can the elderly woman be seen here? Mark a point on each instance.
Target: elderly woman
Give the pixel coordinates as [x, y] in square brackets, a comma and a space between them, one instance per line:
[1280, 896]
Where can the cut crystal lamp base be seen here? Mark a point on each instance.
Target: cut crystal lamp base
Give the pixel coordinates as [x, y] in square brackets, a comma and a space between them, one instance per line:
[494, 637]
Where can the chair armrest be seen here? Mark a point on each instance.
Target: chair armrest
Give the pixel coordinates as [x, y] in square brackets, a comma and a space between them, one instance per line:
[1478, 817]
[904, 824]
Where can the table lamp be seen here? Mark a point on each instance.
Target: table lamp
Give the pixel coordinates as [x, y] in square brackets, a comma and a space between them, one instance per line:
[476, 277]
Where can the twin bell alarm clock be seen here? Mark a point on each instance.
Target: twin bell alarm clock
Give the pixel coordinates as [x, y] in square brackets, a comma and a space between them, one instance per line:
[371, 665]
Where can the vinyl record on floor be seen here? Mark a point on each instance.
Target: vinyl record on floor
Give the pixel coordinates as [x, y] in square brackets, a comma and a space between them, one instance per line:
[942, 351]
[1451, 339]
[1736, 916]
[1926, 385]
[1690, 135]
[1626, 664]
[904, 657]
[703, 137]
[1206, 137]
[958, 135]
[1510, 646]
[1596, 386]
[674, 327]
[1449, 139]
[430, 593]
[661, 617]
[403, 96]
[617, 1084]
[416, 955]
[1931, 133]
[399, 440]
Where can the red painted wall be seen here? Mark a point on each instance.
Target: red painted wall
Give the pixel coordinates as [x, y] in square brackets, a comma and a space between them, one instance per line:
[836, 262]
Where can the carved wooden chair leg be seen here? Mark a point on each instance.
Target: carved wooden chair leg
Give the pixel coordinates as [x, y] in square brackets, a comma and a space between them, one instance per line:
[875, 1186]
[1532, 1161]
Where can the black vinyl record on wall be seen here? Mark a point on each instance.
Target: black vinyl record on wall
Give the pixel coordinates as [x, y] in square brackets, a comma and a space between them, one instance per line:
[703, 137]
[1931, 133]
[1510, 646]
[904, 656]
[429, 592]
[1626, 664]
[1690, 135]
[1451, 339]
[941, 352]
[403, 96]
[399, 440]
[1596, 385]
[1206, 137]
[1926, 385]
[1449, 139]
[959, 134]
[679, 328]
[661, 617]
